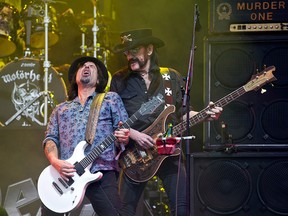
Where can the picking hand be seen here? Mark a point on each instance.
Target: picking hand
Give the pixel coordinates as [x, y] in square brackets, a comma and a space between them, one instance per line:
[64, 168]
[142, 139]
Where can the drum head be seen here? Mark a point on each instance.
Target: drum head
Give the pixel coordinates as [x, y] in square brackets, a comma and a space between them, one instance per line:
[22, 92]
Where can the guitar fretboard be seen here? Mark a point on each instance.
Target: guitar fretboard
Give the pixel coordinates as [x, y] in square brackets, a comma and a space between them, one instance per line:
[99, 149]
[202, 115]
[146, 108]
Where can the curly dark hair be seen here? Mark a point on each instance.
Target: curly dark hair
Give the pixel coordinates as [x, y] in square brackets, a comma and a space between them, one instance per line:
[100, 87]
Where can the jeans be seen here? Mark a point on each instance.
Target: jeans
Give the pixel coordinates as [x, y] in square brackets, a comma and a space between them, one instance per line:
[130, 191]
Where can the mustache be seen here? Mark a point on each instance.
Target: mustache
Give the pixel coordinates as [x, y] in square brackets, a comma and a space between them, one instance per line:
[133, 60]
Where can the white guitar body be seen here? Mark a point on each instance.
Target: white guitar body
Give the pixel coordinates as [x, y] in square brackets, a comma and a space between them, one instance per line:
[61, 197]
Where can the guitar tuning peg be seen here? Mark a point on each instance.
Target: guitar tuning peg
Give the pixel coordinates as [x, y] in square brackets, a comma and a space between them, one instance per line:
[263, 91]
[272, 84]
[264, 66]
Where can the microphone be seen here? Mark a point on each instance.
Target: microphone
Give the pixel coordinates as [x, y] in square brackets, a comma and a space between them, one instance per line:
[167, 145]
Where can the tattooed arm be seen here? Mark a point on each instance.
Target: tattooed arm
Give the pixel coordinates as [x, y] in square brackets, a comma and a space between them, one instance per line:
[63, 167]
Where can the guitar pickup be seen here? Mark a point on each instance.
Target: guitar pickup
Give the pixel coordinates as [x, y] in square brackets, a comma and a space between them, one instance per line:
[70, 182]
[63, 182]
[57, 188]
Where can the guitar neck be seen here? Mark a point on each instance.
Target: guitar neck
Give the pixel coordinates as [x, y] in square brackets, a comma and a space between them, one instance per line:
[202, 115]
[146, 108]
[99, 149]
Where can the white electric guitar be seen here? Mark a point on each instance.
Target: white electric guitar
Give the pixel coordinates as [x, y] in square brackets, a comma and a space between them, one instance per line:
[63, 196]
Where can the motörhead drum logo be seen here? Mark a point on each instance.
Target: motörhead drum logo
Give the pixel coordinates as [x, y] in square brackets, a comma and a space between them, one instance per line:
[22, 92]
[25, 73]
[21, 96]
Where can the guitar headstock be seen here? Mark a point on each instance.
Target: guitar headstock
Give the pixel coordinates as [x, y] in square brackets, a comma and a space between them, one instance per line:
[261, 79]
[150, 106]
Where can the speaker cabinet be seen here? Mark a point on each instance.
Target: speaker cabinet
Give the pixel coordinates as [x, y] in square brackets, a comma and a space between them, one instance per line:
[255, 119]
[239, 184]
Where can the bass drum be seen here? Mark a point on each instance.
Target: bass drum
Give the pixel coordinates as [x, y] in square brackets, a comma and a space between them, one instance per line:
[22, 86]
[9, 24]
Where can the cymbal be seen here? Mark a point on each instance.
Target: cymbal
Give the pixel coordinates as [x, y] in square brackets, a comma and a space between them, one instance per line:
[62, 68]
[37, 39]
[7, 46]
[55, 2]
[88, 19]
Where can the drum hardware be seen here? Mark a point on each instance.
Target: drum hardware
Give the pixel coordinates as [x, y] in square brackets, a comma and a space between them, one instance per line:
[36, 11]
[96, 50]
[94, 29]
[28, 26]
[51, 101]
[83, 46]
[34, 16]
[46, 63]
[29, 107]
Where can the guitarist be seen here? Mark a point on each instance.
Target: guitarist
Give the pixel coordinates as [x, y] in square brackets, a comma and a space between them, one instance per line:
[88, 77]
[136, 84]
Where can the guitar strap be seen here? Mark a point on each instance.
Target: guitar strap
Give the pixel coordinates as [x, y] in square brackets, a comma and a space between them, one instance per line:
[93, 117]
[167, 85]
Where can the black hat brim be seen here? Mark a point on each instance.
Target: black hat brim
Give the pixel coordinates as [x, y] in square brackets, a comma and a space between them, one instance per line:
[136, 43]
[74, 66]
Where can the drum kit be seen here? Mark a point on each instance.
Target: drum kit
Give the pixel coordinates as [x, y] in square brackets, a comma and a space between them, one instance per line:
[30, 87]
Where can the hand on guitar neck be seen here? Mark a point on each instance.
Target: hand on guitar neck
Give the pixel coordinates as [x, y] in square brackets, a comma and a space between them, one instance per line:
[213, 112]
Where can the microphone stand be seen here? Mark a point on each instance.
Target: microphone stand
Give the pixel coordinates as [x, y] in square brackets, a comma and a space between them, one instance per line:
[186, 104]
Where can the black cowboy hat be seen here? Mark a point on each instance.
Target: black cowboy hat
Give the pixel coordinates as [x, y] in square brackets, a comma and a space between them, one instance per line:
[134, 38]
[75, 65]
